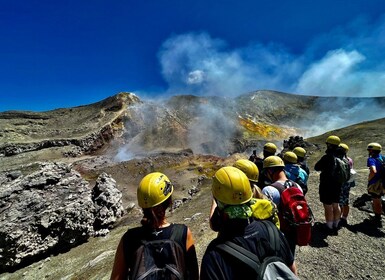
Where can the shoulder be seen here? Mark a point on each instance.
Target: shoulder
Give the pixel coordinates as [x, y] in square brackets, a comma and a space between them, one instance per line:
[134, 233]
[371, 161]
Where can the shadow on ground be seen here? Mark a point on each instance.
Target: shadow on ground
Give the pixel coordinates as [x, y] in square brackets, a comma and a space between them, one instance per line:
[366, 228]
[318, 236]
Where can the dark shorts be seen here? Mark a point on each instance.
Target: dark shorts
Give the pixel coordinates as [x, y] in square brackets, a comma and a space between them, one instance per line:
[329, 195]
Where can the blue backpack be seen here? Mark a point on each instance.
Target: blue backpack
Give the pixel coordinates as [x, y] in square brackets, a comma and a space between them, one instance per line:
[381, 159]
[297, 174]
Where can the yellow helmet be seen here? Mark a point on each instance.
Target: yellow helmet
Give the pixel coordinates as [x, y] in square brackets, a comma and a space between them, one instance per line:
[333, 140]
[154, 189]
[345, 147]
[249, 168]
[299, 151]
[231, 186]
[270, 147]
[374, 147]
[273, 161]
[290, 157]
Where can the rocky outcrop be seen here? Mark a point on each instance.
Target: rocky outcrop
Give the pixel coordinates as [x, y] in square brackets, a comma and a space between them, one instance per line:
[107, 202]
[52, 210]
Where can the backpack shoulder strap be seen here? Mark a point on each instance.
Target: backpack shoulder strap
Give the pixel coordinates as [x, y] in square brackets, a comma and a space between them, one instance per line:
[241, 254]
[381, 159]
[177, 235]
[273, 236]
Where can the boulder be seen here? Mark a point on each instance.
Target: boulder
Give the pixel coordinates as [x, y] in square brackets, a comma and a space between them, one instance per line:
[52, 210]
[107, 201]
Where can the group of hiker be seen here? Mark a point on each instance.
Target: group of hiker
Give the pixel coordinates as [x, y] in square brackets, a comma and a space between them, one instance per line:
[259, 211]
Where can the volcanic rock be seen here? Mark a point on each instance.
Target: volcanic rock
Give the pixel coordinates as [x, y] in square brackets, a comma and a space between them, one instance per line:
[52, 210]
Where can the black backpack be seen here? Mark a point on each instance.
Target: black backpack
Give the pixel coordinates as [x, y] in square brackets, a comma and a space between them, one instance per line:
[272, 267]
[161, 259]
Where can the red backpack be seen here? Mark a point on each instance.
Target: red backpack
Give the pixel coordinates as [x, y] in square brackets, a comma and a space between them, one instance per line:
[295, 213]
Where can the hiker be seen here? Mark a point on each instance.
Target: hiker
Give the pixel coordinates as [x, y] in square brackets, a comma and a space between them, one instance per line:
[231, 189]
[253, 157]
[252, 172]
[375, 184]
[345, 190]
[329, 187]
[154, 197]
[274, 167]
[269, 149]
[261, 207]
[301, 156]
[294, 172]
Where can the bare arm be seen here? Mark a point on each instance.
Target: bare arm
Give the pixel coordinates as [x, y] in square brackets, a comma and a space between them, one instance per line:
[372, 172]
[293, 268]
[119, 270]
[191, 258]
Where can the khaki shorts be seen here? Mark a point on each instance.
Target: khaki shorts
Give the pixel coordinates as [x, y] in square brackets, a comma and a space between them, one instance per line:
[376, 189]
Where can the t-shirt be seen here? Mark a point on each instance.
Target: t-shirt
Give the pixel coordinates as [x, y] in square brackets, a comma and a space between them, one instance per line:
[374, 161]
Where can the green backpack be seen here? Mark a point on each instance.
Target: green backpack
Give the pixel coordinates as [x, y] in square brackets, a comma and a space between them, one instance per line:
[341, 170]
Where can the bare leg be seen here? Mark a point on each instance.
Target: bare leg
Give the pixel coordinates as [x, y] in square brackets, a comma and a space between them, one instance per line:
[345, 211]
[329, 215]
[377, 206]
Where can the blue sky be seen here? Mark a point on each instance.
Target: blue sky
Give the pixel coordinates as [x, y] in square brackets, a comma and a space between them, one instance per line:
[56, 54]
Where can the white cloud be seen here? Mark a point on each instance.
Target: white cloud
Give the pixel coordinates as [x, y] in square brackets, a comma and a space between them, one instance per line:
[348, 61]
[333, 75]
[195, 77]
[198, 64]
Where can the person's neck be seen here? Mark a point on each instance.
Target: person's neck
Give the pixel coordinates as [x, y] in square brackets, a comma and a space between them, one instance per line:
[280, 177]
[165, 224]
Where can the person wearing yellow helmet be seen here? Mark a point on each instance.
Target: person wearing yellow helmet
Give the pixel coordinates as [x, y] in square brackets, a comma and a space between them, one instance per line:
[301, 156]
[376, 186]
[154, 197]
[329, 187]
[294, 172]
[269, 149]
[232, 193]
[345, 190]
[252, 172]
[259, 204]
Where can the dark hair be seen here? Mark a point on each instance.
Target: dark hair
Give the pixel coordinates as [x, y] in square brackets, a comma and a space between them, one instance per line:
[154, 217]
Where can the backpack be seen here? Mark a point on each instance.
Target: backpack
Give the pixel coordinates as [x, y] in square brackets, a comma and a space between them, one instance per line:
[295, 213]
[272, 267]
[298, 175]
[161, 259]
[382, 171]
[341, 170]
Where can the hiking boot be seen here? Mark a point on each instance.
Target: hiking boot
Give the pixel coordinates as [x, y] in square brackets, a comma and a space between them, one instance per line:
[329, 231]
[342, 223]
[333, 231]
